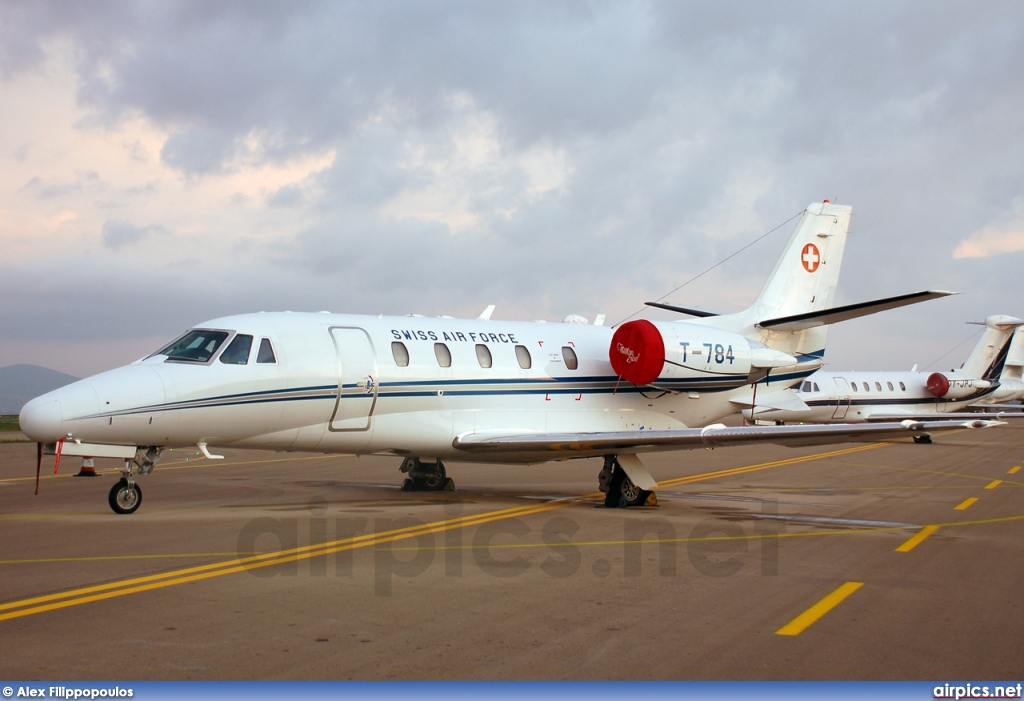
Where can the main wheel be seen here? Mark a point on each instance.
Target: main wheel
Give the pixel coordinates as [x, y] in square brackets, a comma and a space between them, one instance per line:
[124, 499]
[433, 480]
[632, 495]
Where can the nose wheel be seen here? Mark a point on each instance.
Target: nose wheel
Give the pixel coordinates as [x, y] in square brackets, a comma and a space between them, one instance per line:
[125, 497]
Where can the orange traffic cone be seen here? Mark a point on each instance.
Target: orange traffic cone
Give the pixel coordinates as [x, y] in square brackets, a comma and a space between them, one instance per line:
[88, 470]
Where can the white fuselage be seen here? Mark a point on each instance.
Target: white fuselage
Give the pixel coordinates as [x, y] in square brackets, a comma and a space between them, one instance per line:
[851, 397]
[341, 383]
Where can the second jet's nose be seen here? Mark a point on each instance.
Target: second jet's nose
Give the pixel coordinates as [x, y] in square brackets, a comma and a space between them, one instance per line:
[41, 420]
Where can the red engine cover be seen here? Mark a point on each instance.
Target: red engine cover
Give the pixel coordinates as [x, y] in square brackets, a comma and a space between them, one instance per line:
[637, 352]
[937, 384]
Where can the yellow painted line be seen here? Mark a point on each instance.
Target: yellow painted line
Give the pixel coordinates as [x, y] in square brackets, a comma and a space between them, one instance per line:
[965, 503]
[1013, 470]
[74, 597]
[84, 595]
[186, 464]
[799, 624]
[766, 465]
[112, 558]
[993, 484]
[916, 539]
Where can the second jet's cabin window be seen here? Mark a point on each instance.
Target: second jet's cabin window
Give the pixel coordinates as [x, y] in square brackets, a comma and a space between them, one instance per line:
[483, 355]
[443, 355]
[400, 353]
[569, 356]
[237, 352]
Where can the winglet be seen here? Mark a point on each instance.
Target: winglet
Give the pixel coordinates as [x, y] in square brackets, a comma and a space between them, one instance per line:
[485, 315]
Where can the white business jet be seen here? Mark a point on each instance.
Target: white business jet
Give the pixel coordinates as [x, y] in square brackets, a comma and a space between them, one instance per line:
[440, 389]
[845, 397]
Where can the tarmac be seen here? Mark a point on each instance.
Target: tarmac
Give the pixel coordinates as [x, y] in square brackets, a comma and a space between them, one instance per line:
[868, 561]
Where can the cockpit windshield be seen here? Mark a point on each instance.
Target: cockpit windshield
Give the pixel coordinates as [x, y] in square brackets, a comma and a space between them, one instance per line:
[196, 346]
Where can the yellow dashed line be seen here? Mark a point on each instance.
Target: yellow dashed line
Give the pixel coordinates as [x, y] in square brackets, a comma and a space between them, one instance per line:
[26, 607]
[1013, 470]
[993, 484]
[916, 539]
[799, 624]
[965, 503]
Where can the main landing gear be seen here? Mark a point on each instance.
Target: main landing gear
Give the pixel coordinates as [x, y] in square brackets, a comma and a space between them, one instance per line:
[125, 496]
[426, 476]
[922, 439]
[619, 489]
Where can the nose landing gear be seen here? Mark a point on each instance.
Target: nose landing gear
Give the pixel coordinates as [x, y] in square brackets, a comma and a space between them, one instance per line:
[126, 496]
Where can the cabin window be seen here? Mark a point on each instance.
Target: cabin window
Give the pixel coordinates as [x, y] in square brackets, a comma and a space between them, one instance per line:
[866, 388]
[237, 352]
[483, 355]
[523, 356]
[903, 387]
[443, 355]
[569, 356]
[196, 346]
[400, 353]
[266, 352]
[890, 387]
[853, 386]
[878, 386]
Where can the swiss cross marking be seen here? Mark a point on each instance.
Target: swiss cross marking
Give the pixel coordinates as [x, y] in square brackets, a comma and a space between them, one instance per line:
[810, 258]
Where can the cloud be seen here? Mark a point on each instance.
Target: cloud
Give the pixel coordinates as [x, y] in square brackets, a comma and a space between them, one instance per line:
[992, 241]
[551, 158]
[117, 234]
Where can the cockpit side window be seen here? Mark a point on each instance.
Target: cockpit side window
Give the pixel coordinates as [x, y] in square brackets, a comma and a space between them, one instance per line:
[237, 352]
[266, 352]
[196, 346]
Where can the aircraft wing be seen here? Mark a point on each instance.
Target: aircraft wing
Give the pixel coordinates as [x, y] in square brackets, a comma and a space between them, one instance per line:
[951, 415]
[554, 446]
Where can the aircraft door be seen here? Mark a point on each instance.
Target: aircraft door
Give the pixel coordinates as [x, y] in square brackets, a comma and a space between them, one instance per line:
[843, 403]
[357, 379]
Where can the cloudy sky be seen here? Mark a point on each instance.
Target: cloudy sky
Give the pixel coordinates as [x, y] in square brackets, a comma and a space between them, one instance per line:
[163, 163]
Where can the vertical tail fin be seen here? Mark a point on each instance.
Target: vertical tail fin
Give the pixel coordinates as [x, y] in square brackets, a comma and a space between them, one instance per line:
[806, 275]
[990, 353]
[804, 280]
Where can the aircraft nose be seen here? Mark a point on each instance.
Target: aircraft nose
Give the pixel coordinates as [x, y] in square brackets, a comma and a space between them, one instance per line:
[41, 420]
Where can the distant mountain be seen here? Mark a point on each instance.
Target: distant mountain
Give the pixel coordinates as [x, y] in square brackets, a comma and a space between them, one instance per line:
[20, 383]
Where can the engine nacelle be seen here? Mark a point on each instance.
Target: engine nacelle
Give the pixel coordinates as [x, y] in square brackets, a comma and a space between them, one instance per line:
[954, 387]
[686, 357]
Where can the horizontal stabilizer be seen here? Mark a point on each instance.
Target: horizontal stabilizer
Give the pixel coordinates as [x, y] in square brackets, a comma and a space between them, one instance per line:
[552, 446]
[798, 322]
[683, 310]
